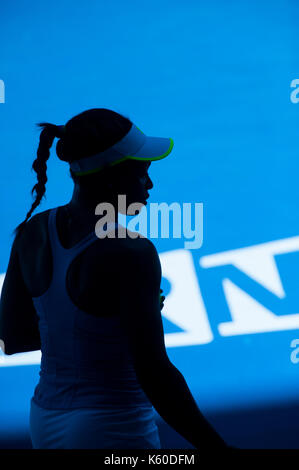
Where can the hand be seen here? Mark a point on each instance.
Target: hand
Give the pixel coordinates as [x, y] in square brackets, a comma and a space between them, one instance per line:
[162, 298]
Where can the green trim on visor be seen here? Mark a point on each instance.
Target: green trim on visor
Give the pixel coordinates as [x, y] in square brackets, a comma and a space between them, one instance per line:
[159, 157]
[129, 157]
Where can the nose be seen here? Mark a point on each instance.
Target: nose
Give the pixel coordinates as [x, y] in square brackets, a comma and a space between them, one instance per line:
[149, 183]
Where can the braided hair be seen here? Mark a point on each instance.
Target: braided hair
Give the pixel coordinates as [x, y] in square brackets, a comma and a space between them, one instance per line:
[87, 133]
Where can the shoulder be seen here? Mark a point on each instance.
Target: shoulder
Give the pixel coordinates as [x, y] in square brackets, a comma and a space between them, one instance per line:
[137, 248]
[35, 221]
[34, 231]
[139, 262]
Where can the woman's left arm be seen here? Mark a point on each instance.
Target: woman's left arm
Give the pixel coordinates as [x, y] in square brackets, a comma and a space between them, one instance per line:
[18, 319]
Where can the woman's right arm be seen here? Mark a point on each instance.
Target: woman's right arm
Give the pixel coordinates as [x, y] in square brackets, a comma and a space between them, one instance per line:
[161, 381]
[170, 395]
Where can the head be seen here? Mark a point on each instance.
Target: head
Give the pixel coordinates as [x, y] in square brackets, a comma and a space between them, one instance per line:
[86, 134]
[130, 178]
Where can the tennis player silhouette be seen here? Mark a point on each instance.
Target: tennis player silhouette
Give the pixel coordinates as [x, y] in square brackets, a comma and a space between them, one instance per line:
[92, 303]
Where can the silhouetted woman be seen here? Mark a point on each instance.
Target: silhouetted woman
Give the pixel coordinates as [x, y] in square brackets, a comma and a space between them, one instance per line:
[88, 296]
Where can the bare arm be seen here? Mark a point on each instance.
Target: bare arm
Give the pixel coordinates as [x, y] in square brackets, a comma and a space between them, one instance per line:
[18, 320]
[161, 381]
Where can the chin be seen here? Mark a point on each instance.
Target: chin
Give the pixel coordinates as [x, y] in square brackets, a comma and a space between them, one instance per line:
[136, 209]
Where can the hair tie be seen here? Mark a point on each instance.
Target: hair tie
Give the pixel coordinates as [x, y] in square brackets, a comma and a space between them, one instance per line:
[60, 131]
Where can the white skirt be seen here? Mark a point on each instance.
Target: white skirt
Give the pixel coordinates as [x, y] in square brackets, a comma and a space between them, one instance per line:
[86, 428]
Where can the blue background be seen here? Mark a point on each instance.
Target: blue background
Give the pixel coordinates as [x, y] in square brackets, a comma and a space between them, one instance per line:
[215, 76]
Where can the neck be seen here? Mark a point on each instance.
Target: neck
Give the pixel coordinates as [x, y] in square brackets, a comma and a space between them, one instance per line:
[84, 205]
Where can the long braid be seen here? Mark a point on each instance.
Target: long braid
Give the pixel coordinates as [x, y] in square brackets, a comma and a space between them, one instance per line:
[87, 133]
[47, 136]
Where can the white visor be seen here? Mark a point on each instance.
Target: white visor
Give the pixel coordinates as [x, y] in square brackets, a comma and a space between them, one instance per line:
[134, 145]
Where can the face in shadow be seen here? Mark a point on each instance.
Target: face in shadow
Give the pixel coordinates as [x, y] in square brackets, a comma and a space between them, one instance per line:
[131, 179]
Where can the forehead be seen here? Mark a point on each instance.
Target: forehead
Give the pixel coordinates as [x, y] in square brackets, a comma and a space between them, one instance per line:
[131, 166]
[140, 164]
